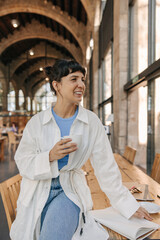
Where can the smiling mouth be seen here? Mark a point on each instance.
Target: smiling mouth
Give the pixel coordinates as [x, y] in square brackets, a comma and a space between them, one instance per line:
[78, 93]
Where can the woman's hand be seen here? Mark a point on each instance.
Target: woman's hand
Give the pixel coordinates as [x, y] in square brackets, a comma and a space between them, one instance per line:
[61, 149]
[142, 213]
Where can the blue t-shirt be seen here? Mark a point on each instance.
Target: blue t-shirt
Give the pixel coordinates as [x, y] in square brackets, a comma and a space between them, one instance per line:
[64, 125]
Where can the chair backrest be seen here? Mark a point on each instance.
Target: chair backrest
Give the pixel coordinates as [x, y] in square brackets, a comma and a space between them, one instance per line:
[129, 154]
[10, 191]
[155, 173]
[20, 130]
[11, 137]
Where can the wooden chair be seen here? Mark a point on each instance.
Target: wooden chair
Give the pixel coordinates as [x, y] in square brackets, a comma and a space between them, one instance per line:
[20, 130]
[10, 191]
[155, 173]
[129, 154]
[12, 140]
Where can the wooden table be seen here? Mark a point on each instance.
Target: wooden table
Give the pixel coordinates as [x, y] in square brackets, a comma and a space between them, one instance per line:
[130, 173]
[2, 139]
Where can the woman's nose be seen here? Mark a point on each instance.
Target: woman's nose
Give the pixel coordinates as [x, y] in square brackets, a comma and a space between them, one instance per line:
[80, 83]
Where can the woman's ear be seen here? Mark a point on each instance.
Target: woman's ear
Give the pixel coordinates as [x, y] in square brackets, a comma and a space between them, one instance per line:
[54, 84]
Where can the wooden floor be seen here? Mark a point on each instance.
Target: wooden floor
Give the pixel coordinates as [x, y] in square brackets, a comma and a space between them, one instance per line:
[7, 170]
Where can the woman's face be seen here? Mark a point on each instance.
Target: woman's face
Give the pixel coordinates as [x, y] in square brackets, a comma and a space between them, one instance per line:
[71, 88]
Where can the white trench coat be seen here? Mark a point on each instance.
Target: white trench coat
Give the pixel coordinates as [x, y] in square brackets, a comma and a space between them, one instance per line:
[32, 158]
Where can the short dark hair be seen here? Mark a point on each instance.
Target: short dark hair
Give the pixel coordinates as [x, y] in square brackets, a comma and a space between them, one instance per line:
[62, 68]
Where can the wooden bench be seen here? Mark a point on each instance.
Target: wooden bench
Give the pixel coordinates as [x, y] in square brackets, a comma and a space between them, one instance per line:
[155, 173]
[129, 154]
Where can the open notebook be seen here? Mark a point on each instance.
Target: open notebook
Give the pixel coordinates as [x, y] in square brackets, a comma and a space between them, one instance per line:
[133, 228]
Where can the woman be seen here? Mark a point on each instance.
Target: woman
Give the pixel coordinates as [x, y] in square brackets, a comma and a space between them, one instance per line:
[54, 199]
[14, 128]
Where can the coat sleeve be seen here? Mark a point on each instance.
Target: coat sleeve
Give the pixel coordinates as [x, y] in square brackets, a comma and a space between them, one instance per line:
[31, 162]
[108, 174]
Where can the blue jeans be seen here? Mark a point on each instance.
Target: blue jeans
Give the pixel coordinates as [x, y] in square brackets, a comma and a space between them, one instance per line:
[60, 216]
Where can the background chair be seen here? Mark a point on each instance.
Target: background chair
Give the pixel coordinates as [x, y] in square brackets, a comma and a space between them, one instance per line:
[10, 191]
[12, 140]
[129, 154]
[20, 130]
[155, 173]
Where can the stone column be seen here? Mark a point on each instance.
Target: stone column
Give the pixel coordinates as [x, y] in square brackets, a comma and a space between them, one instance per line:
[4, 98]
[25, 103]
[5, 91]
[31, 105]
[17, 99]
[120, 54]
[96, 57]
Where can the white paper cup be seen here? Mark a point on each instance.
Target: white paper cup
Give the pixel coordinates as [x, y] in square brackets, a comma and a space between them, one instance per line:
[75, 139]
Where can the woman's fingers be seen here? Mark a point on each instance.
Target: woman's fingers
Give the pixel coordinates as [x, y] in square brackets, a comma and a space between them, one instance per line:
[146, 214]
[69, 150]
[62, 148]
[65, 140]
[142, 213]
[67, 145]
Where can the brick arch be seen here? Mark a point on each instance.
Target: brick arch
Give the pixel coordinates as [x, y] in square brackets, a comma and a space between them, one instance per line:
[37, 87]
[39, 51]
[3, 78]
[40, 31]
[33, 80]
[77, 29]
[89, 6]
[20, 79]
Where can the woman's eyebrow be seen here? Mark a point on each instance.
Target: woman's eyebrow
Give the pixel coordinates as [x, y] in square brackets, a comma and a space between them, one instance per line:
[76, 76]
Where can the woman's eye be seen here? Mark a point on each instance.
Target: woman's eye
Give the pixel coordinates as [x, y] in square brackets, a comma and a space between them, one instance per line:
[73, 79]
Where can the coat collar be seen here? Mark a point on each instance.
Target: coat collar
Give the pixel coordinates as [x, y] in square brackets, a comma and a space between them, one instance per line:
[82, 115]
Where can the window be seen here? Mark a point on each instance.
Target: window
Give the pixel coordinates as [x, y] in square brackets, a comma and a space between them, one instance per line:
[105, 87]
[28, 104]
[44, 97]
[21, 99]
[107, 114]
[157, 116]
[107, 74]
[157, 29]
[142, 115]
[33, 106]
[11, 98]
[138, 37]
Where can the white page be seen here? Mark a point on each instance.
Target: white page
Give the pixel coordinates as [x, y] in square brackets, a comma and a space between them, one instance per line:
[132, 228]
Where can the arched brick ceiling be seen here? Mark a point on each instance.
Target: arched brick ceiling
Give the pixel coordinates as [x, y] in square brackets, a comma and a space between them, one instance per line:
[52, 53]
[66, 18]
[27, 64]
[24, 18]
[73, 7]
[15, 50]
[18, 48]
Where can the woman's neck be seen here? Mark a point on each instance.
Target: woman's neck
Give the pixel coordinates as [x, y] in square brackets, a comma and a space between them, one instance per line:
[65, 110]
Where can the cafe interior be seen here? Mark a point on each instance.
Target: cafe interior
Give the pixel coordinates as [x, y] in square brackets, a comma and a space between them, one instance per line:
[118, 41]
